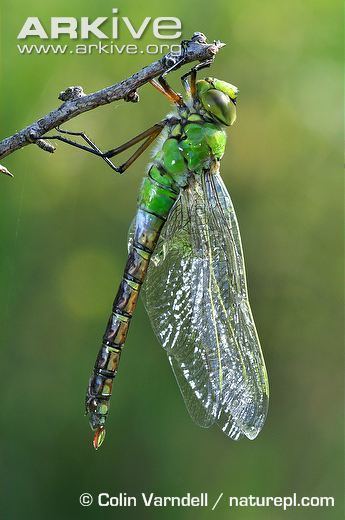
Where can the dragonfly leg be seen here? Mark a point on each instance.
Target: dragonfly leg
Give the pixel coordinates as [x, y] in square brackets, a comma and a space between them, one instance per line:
[92, 148]
[150, 135]
[162, 85]
[191, 87]
[178, 63]
[164, 88]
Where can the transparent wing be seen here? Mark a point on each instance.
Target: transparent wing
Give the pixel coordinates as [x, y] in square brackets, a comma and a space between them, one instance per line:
[177, 304]
[196, 296]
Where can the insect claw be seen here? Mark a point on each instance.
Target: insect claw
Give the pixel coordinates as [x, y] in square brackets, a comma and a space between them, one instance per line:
[132, 97]
[98, 437]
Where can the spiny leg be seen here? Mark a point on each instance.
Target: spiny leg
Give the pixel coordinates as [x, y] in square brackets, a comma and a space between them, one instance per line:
[162, 85]
[191, 87]
[91, 143]
[93, 148]
[164, 88]
[140, 137]
[178, 63]
[150, 134]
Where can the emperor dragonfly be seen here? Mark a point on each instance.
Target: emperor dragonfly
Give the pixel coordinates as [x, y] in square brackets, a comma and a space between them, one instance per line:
[185, 244]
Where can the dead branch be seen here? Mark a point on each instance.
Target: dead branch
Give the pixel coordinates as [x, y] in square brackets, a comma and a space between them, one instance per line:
[75, 102]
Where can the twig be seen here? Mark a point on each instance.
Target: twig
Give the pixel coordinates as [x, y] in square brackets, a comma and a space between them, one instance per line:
[5, 171]
[75, 102]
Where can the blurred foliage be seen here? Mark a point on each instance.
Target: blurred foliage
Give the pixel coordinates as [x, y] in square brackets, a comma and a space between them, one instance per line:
[64, 221]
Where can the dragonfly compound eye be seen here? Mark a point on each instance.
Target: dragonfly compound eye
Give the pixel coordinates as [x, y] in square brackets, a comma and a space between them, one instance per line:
[219, 105]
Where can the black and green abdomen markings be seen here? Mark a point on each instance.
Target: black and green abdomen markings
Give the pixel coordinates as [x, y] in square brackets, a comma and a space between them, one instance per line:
[154, 204]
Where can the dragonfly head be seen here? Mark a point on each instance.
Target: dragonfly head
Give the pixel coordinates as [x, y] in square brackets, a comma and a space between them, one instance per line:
[218, 98]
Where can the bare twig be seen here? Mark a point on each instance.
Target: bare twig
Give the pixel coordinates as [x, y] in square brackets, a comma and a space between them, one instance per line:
[5, 171]
[75, 102]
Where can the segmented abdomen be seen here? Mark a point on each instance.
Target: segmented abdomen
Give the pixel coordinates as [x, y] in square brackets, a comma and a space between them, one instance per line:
[155, 201]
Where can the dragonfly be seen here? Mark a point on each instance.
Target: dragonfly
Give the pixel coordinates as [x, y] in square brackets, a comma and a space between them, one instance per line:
[185, 256]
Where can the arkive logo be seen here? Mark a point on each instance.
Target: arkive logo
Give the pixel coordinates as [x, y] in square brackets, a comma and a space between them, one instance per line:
[103, 28]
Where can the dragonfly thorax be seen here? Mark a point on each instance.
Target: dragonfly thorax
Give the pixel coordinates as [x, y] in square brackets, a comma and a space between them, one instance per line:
[188, 147]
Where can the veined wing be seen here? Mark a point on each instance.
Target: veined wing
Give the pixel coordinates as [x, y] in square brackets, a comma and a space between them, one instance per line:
[196, 296]
[178, 302]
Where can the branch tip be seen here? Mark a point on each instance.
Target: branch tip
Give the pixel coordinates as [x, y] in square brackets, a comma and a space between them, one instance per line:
[5, 171]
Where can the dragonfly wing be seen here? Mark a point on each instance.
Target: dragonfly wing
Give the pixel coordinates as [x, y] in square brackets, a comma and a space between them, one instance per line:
[196, 296]
[175, 299]
[245, 391]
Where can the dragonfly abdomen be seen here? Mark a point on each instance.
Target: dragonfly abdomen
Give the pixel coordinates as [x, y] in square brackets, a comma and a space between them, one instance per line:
[154, 204]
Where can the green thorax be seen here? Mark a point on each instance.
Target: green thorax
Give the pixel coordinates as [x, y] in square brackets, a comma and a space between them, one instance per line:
[189, 147]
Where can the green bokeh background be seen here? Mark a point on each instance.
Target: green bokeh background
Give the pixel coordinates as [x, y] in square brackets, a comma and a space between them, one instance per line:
[64, 221]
